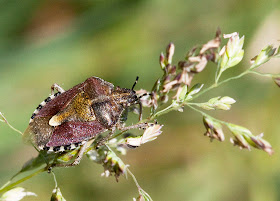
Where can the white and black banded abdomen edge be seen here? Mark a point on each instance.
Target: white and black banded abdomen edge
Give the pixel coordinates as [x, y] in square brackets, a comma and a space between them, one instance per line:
[62, 148]
[42, 104]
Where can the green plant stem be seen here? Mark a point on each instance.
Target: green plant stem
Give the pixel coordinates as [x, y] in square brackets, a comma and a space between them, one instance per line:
[217, 76]
[172, 106]
[140, 190]
[207, 115]
[220, 83]
[117, 135]
[5, 121]
[217, 79]
[54, 178]
[264, 74]
[9, 185]
[248, 71]
[134, 178]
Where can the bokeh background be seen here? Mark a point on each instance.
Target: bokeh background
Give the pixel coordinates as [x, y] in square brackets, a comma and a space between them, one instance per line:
[67, 41]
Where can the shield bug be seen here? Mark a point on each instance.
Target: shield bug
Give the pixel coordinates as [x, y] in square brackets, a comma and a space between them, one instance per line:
[69, 119]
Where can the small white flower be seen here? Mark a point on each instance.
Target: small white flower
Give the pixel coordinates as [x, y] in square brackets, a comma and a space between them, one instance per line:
[121, 149]
[232, 53]
[93, 155]
[222, 106]
[170, 52]
[133, 141]
[167, 87]
[106, 173]
[264, 56]
[16, 194]
[150, 134]
[57, 195]
[215, 43]
[227, 100]
[231, 35]
[223, 50]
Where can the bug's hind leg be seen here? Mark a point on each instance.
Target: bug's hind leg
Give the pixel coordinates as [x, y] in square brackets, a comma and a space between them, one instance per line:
[77, 160]
[57, 88]
[48, 99]
[74, 163]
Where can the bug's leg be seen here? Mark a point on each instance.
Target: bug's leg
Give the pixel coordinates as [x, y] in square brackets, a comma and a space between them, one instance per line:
[74, 163]
[57, 88]
[79, 156]
[77, 159]
[123, 117]
[103, 140]
[48, 99]
[135, 126]
[120, 127]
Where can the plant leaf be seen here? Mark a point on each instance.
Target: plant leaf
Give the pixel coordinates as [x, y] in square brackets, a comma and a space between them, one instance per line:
[195, 89]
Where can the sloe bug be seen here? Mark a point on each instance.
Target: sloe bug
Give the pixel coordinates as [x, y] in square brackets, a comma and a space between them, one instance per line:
[68, 119]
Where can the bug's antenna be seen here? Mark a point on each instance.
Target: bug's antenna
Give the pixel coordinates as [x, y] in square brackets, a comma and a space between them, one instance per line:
[145, 94]
[141, 110]
[135, 83]
[140, 104]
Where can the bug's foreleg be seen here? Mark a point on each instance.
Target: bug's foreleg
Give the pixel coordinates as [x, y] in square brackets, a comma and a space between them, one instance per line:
[135, 126]
[56, 87]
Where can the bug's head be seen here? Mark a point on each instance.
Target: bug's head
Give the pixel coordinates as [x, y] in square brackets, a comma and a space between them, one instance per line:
[128, 97]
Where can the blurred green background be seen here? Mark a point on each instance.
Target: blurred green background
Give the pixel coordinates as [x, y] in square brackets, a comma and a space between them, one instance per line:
[67, 41]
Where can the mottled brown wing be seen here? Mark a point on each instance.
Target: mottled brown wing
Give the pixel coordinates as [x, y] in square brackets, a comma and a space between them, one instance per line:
[93, 86]
[58, 103]
[74, 132]
[38, 132]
